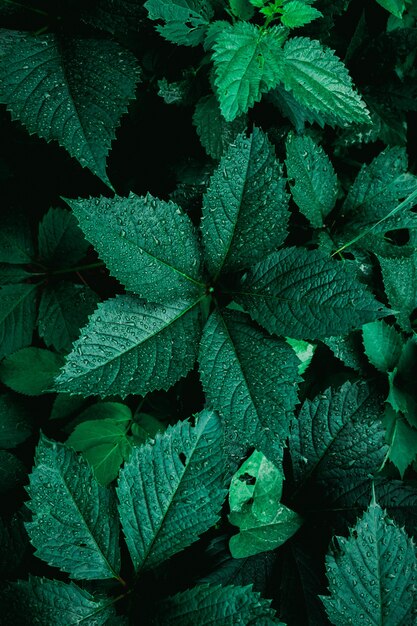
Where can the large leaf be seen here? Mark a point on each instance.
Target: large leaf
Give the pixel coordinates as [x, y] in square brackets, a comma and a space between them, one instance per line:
[249, 62]
[17, 317]
[61, 242]
[306, 295]
[184, 21]
[156, 237]
[215, 133]
[338, 438]
[251, 379]
[171, 491]
[215, 605]
[132, 346]
[399, 275]
[47, 602]
[70, 90]
[314, 187]
[245, 209]
[320, 81]
[254, 497]
[74, 524]
[372, 574]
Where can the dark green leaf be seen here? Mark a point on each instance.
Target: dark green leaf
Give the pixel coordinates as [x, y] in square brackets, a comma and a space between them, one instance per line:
[61, 242]
[383, 345]
[185, 21]
[215, 133]
[12, 471]
[30, 371]
[16, 244]
[17, 317]
[15, 423]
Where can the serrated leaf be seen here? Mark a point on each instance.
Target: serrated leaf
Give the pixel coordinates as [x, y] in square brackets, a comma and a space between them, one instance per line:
[30, 371]
[242, 9]
[74, 525]
[215, 133]
[132, 346]
[400, 281]
[118, 17]
[402, 440]
[383, 345]
[396, 7]
[304, 294]
[372, 574]
[12, 472]
[245, 209]
[61, 242]
[337, 438]
[187, 464]
[43, 601]
[294, 111]
[254, 498]
[15, 423]
[320, 81]
[314, 187]
[78, 90]
[184, 21]
[156, 236]
[248, 62]
[145, 427]
[349, 350]
[251, 379]
[304, 351]
[63, 310]
[17, 317]
[297, 13]
[16, 243]
[215, 605]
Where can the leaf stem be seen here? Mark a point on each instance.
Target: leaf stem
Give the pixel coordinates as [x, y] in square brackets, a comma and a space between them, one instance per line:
[79, 268]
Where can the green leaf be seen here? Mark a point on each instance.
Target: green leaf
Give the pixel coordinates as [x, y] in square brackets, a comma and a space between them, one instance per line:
[145, 427]
[372, 574]
[338, 436]
[156, 236]
[245, 209]
[15, 423]
[251, 379]
[30, 371]
[400, 281]
[215, 605]
[12, 472]
[43, 601]
[304, 294]
[16, 243]
[320, 81]
[184, 21]
[17, 317]
[242, 9]
[132, 346]
[63, 310]
[74, 525]
[10, 274]
[118, 17]
[396, 7]
[304, 351]
[314, 188]
[349, 350]
[65, 405]
[298, 13]
[402, 440]
[254, 498]
[61, 242]
[187, 464]
[248, 62]
[215, 133]
[103, 442]
[77, 90]
[295, 112]
[14, 542]
[383, 345]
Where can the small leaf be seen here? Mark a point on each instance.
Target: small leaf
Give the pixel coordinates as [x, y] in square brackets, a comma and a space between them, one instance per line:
[297, 13]
[304, 351]
[402, 440]
[15, 423]
[17, 317]
[215, 133]
[399, 275]
[383, 345]
[61, 242]
[30, 371]
[74, 525]
[254, 497]
[185, 21]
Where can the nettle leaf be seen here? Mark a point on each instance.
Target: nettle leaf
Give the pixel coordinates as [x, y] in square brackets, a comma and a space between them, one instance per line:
[17, 317]
[61, 242]
[31, 371]
[74, 524]
[187, 465]
[314, 188]
[132, 346]
[70, 90]
[16, 242]
[248, 62]
[383, 345]
[402, 440]
[304, 294]
[185, 21]
[63, 310]
[338, 437]
[242, 9]
[156, 236]
[104, 442]
[251, 379]
[297, 13]
[254, 497]
[215, 133]
[43, 601]
[15, 423]
[399, 275]
[245, 209]
[372, 574]
[349, 350]
[217, 605]
[294, 111]
[320, 81]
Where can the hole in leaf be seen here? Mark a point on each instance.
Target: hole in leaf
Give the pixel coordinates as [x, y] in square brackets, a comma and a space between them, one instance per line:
[247, 478]
[182, 458]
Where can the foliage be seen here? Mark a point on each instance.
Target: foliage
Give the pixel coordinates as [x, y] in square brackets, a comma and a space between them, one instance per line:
[208, 297]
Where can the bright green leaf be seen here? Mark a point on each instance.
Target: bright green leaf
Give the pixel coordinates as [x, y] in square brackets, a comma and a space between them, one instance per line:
[383, 345]
[402, 440]
[304, 351]
[298, 13]
[396, 7]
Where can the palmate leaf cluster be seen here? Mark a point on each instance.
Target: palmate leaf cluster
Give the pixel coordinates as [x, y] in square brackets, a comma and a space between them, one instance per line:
[208, 263]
